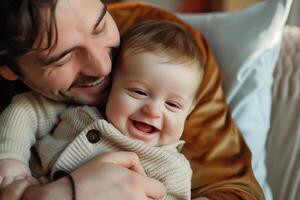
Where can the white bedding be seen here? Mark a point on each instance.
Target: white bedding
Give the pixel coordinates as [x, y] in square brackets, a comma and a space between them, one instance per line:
[246, 45]
[283, 147]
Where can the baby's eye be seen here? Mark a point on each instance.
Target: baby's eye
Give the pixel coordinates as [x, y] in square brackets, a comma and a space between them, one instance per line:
[139, 92]
[173, 105]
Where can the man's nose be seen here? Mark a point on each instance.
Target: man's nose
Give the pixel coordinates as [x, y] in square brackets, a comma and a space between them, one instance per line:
[97, 61]
[152, 110]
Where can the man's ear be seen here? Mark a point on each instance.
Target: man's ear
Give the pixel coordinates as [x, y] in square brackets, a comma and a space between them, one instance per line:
[7, 73]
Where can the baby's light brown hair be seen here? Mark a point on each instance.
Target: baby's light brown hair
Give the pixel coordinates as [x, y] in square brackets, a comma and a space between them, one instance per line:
[161, 36]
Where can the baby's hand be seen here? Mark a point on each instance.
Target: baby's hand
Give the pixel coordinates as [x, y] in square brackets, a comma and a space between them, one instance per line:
[12, 170]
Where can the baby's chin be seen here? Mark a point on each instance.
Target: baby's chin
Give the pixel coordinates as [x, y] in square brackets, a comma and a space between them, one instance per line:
[150, 142]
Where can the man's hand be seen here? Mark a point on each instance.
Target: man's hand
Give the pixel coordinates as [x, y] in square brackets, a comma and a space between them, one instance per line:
[12, 170]
[126, 159]
[15, 190]
[121, 176]
[108, 176]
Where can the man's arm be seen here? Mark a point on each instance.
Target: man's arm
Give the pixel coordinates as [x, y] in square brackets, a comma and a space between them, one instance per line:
[28, 117]
[18, 125]
[107, 176]
[95, 180]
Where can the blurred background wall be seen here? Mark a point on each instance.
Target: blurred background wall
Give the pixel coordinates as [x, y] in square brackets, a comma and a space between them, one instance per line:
[198, 5]
[215, 5]
[294, 17]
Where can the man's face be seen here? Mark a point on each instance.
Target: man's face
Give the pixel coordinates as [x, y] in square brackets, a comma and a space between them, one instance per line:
[77, 69]
[151, 98]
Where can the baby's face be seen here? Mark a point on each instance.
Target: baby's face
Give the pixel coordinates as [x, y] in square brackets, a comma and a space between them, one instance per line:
[151, 98]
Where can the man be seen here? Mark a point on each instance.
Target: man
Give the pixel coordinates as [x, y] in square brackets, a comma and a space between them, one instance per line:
[62, 50]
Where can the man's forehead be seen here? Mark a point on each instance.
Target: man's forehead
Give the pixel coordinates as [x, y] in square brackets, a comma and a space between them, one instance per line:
[44, 47]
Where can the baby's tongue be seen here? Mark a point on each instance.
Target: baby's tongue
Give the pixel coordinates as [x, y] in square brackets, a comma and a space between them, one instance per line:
[143, 127]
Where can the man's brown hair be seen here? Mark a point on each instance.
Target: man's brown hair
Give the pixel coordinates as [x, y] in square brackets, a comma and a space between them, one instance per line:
[21, 23]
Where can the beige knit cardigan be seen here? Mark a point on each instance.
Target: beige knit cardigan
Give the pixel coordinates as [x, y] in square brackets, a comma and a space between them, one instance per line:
[68, 147]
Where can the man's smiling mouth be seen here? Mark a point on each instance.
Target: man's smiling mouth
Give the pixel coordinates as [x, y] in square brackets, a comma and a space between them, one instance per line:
[91, 84]
[96, 86]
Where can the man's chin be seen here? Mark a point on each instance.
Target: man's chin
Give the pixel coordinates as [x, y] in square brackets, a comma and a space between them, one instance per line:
[98, 100]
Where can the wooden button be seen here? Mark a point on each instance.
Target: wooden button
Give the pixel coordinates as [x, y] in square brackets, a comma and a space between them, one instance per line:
[93, 136]
[59, 174]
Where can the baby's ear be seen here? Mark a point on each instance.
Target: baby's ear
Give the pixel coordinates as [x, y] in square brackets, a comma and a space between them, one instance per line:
[7, 73]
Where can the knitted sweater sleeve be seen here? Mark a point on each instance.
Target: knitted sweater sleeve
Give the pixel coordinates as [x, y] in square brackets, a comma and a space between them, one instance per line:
[18, 125]
[29, 118]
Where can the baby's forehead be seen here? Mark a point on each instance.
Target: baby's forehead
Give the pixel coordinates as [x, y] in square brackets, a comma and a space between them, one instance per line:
[159, 69]
[164, 55]
[150, 61]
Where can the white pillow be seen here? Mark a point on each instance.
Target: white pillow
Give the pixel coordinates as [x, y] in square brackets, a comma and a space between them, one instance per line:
[246, 45]
[283, 148]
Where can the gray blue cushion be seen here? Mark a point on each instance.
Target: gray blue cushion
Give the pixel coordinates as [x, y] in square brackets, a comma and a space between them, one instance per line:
[246, 45]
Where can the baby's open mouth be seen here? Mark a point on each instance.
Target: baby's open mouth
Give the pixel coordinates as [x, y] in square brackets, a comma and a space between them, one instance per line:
[147, 128]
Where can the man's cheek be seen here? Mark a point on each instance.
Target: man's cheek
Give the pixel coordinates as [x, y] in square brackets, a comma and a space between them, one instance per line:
[62, 84]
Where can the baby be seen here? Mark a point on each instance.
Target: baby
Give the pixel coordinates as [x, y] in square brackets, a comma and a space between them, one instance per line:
[157, 75]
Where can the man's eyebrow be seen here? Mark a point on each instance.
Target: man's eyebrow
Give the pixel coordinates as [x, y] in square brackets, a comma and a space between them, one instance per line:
[54, 58]
[104, 10]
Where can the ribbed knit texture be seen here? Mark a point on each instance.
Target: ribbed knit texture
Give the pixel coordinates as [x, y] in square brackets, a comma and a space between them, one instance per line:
[30, 119]
[162, 163]
[23, 122]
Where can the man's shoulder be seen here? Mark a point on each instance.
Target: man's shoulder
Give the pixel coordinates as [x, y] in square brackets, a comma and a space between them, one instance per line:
[35, 99]
[34, 103]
